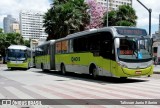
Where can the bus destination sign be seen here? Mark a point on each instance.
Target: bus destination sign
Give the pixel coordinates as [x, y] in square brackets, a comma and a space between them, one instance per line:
[131, 31]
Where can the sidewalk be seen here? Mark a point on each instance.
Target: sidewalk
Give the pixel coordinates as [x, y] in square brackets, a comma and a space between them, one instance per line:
[156, 69]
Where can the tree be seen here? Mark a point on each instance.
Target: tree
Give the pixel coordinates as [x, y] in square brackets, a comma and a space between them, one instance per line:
[96, 12]
[124, 16]
[3, 44]
[27, 43]
[7, 39]
[1, 30]
[15, 38]
[65, 17]
[112, 18]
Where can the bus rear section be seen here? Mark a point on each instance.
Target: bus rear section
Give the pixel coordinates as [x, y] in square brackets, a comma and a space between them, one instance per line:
[44, 56]
[18, 57]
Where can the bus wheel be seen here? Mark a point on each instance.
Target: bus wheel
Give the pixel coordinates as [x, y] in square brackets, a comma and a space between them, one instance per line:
[94, 72]
[42, 67]
[63, 70]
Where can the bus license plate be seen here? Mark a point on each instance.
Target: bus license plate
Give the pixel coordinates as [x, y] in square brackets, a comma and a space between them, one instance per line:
[138, 72]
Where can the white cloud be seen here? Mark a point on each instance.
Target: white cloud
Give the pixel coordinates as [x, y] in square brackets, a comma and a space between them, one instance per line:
[143, 14]
[13, 7]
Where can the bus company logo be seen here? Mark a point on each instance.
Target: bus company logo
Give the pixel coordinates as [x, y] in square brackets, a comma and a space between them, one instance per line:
[73, 59]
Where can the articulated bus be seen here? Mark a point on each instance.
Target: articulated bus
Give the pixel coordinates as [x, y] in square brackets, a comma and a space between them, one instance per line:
[110, 51]
[44, 56]
[18, 56]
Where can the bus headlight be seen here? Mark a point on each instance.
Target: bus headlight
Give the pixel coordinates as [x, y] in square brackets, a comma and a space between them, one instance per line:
[122, 64]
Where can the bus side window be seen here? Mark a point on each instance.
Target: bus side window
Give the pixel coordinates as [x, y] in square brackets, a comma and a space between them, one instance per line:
[93, 43]
[106, 45]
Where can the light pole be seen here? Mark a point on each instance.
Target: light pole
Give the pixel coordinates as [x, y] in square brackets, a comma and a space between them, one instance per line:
[107, 13]
[150, 11]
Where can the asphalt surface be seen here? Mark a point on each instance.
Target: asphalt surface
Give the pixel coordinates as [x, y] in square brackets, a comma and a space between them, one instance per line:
[156, 69]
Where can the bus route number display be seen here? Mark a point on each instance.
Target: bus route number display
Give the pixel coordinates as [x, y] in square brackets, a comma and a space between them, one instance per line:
[126, 52]
[131, 31]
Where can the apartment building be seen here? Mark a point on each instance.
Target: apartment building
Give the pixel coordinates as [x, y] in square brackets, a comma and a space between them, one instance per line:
[7, 22]
[15, 27]
[114, 4]
[31, 25]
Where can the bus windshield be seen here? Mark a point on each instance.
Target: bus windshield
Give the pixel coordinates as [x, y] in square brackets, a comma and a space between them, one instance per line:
[15, 54]
[135, 49]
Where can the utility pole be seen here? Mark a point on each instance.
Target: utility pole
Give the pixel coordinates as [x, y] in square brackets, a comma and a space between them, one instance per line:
[150, 11]
[107, 13]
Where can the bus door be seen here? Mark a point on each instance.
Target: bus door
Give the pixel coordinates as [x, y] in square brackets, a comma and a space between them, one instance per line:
[113, 61]
[105, 52]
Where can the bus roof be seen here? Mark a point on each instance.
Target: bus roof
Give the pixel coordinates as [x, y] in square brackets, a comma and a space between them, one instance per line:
[50, 42]
[116, 31]
[21, 47]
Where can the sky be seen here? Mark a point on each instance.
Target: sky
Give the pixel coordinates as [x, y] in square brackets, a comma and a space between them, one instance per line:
[13, 7]
[143, 14]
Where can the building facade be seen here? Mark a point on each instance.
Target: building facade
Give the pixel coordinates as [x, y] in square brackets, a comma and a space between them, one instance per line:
[156, 36]
[31, 25]
[7, 22]
[15, 27]
[114, 4]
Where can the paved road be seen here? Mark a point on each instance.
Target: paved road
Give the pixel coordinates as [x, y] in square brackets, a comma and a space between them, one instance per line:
[34, 84]
[157, 69]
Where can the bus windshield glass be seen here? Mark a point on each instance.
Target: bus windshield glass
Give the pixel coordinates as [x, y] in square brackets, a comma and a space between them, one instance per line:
[135, 49]
[16, 54]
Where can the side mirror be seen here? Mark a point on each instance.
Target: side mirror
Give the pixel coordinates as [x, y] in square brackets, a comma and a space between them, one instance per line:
[117, 42]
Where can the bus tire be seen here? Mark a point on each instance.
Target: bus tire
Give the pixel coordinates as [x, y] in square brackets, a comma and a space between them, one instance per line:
[63, 70]
[94, 72]
[42, 67]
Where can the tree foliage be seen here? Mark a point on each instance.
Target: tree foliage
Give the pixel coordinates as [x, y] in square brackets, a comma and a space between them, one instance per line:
[65, 17]
[3, 43]
[27, 43]
[124, 16]
[96, 12]
[1, 30]
[10, 38]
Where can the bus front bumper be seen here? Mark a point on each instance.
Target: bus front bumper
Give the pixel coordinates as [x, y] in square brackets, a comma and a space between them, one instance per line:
[17, 65]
